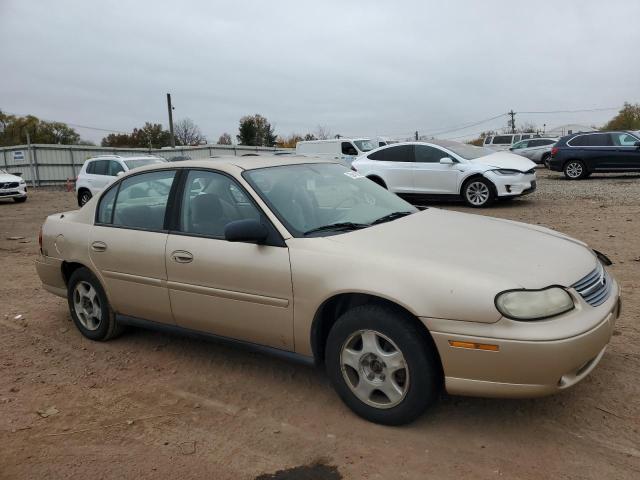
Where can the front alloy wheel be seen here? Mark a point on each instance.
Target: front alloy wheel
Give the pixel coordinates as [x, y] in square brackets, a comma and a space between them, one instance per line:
[374, 368]
[383, 363]
[85, 196]
[478, 192]
[574, 170]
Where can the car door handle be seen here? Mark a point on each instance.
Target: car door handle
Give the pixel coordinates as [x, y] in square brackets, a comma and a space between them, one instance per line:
[182, 256]
[98, 246]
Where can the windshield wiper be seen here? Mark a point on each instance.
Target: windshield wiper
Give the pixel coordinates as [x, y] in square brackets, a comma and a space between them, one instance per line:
[391, 216]
[338, 226]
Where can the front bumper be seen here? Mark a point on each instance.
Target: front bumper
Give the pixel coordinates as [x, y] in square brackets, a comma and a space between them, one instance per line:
[513, 185]
[527, 364]
[18, 192]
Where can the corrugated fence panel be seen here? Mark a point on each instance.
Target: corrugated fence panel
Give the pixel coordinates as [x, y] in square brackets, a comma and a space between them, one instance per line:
[51, 164]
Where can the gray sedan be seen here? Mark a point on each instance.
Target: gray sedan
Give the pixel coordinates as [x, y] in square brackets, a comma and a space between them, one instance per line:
[536, 149]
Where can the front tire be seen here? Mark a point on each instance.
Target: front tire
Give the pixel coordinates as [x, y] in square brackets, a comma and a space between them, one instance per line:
[478, 192]
[20, 199]
[575, 170]
[90, 308]
[383, 366]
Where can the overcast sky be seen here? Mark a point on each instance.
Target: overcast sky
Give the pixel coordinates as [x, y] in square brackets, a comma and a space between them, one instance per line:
[358, 68]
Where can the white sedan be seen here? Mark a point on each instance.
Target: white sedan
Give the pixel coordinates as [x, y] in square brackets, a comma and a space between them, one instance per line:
[419, 171]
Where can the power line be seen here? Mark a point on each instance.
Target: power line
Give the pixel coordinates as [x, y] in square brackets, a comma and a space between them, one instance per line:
[75, 125]
[462, 127]
[575, 111]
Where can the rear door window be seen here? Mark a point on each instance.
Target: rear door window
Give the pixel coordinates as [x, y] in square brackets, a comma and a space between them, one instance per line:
[399, 153]
[100, 167]
[600, 140]
[141, 201]
[114, 168]
[579, 141]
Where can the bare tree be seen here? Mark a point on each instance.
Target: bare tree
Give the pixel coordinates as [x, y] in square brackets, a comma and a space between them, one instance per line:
[323, 133]
[225, 139]
[188, 133]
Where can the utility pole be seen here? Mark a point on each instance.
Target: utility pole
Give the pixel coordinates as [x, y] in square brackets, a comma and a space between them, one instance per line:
[417, 135]
[513, 120]
[33, 172]
[170, 108]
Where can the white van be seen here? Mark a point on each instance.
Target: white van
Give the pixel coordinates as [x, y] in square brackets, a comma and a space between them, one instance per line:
[504, 141]
[343, 149]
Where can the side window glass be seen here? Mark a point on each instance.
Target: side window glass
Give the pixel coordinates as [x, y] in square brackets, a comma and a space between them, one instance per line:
[502, 140]
[114, 168]
[100, 167]
[624, 140]
[487, 140]
[426, 154]
[600, 140]
[91, 167]
[211, 201]
[105, 209]
[579, 141]
[142, 200]
[348, 149]
[400, 153]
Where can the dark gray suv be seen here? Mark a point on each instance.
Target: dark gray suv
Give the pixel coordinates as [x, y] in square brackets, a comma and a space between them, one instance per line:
[581, 154]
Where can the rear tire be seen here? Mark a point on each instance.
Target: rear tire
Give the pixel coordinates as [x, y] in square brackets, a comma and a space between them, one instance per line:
[575, 170]
[382, 365]
[84, 196]
[20, 200]
[90, 308]
[545, 159]
[478, 192]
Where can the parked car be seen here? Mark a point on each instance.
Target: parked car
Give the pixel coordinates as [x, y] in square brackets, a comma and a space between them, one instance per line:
[420, 171]
[582, 154]
[394, 302]
[178, 158]
[344, 150]
[12, 186]
[98, 172]
[537, 150]
[504, 141]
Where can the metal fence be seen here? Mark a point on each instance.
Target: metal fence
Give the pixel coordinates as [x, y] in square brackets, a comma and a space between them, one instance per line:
[53, 164]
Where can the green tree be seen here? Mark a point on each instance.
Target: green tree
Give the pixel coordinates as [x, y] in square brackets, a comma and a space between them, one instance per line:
[628, 118]
[151, 135]
[14, 129]
[256, 131]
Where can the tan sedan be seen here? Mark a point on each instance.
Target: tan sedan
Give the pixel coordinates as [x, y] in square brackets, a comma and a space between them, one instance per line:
[310, 260]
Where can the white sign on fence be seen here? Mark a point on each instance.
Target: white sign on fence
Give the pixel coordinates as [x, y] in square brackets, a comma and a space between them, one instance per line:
[18, 156]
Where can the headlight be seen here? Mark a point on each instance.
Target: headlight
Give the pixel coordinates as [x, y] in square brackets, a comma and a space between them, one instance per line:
[506, 171]
[534, 304]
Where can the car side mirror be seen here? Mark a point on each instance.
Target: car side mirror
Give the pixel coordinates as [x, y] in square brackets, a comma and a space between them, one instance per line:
[120, 173]
[446, 161]
[637, 144]
[245, 231]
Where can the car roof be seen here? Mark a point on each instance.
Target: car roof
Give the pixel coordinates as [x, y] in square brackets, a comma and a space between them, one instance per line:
[119, 157]
[228, 163]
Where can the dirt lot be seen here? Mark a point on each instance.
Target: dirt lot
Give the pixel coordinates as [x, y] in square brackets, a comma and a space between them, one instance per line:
[149, 405]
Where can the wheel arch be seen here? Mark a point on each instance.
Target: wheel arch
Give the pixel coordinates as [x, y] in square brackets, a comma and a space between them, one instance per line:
[378, 179]
[473, 176]
[69, 267]
[330, 310]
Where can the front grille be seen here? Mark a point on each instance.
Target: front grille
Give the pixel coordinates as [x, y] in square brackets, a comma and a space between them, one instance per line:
[595, 287]
[8, 185]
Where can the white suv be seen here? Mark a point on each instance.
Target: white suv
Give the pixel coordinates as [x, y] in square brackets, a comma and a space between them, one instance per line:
[98, 172]
[419, 171]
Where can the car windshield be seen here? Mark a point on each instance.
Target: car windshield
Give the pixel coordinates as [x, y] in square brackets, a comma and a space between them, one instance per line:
[324, 198]
[466, 151]
[141, 162]
[4, 172]
[365, 145]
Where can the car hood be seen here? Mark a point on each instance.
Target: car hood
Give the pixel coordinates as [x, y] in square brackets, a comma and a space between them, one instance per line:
[7, 177]
[509, 254]
[506, 160]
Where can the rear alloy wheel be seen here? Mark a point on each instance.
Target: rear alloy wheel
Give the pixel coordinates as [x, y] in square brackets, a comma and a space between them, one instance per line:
[84, 197]
[90, 308]
[545, 159]
[382, 364]
[575, 170]
[478, 192]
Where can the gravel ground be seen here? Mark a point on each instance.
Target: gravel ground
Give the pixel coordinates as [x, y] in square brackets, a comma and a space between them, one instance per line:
[149, 405]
